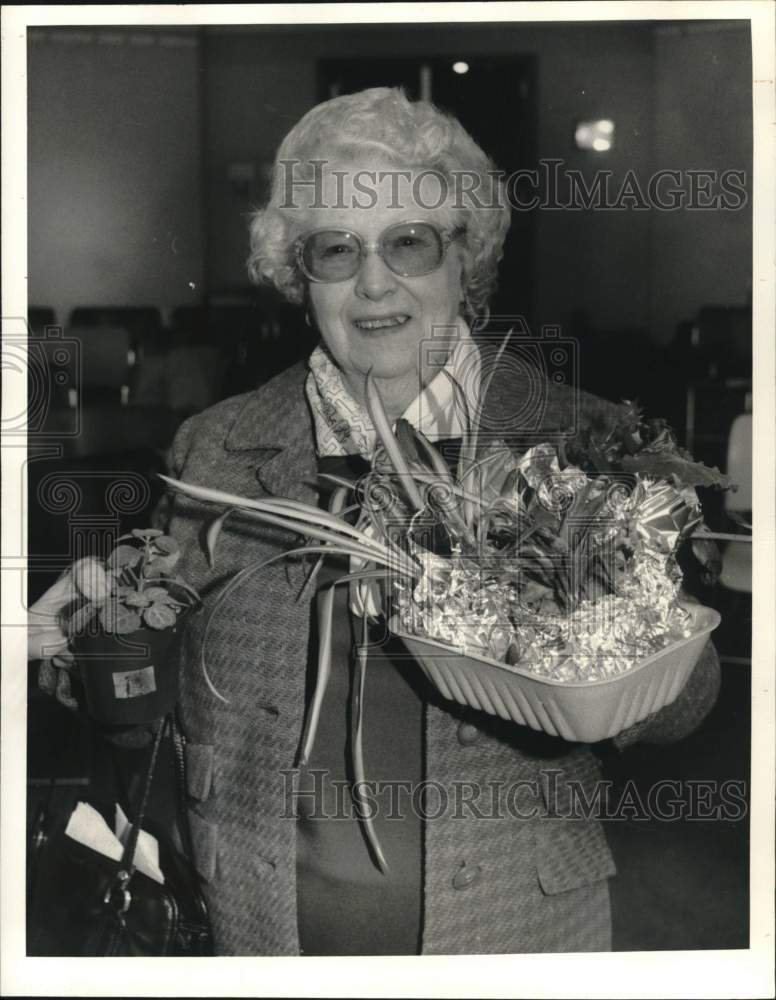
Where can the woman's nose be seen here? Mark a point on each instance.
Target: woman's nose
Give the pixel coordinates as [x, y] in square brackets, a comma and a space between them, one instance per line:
[375, 279]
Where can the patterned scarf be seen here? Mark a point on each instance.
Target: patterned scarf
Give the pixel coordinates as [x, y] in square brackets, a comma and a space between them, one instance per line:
[343, 426]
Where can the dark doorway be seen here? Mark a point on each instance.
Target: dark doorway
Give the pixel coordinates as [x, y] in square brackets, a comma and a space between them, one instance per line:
[495, 100]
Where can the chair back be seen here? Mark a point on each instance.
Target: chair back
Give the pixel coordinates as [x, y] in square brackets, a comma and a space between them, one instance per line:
[739, 464]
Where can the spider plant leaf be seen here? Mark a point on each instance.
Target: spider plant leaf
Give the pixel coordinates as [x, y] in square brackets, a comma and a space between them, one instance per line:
[238, 579]
[213, 534]
[465, 455]
[358, 750]
[329, 477]
[485, 388]
[325, 630]
[272, 510]
[435, 460]
[389, 441]
[336, 504]
[406, 435]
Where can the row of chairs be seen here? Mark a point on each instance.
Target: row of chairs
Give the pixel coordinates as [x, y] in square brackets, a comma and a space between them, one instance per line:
[126, 356]
[228, 321]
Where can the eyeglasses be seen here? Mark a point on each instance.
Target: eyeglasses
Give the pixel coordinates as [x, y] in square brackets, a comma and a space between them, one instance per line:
[409, 249]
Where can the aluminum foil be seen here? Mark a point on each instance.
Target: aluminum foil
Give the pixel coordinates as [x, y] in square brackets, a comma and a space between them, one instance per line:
[457, 601]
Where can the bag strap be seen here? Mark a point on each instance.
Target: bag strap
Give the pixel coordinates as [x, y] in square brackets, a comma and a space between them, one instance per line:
[179, 766]
[169, 722]
[128, 857]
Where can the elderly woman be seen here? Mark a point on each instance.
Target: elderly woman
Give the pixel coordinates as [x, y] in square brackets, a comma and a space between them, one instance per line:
[366, 230]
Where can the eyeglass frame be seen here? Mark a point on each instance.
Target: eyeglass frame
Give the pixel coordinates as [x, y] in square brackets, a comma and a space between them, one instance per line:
[447, 235]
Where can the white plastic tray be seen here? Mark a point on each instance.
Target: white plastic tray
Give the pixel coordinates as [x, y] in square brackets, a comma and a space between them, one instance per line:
[583, 711]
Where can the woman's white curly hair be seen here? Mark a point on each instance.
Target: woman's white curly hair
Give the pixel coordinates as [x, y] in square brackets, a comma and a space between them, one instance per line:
[414, 134]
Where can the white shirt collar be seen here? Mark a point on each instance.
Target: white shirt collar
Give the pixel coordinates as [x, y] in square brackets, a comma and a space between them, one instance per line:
[343, 426]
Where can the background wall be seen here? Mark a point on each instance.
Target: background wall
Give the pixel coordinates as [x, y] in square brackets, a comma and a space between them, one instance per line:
[680, 98]
[703, 121]
[115, 186]
[147, 151]
[260, 83]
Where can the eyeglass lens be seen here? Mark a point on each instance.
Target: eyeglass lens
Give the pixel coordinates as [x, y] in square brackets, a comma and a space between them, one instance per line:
[409, 249]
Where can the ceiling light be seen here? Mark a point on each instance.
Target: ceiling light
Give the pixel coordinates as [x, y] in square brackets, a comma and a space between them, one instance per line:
[597, 135]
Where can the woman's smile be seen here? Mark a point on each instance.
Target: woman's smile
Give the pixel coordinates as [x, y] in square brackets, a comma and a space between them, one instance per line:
[381, 324]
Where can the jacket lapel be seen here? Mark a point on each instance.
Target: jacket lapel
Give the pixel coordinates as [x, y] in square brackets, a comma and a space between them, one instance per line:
[274, 432]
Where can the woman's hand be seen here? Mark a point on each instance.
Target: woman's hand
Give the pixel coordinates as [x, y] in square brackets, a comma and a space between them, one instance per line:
[47, 642]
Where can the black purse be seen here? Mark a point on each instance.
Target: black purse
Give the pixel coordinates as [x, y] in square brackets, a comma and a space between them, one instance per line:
[82, 903]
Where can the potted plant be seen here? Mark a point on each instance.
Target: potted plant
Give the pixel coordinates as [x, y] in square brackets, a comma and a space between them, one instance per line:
[126, 612]
[542, 587]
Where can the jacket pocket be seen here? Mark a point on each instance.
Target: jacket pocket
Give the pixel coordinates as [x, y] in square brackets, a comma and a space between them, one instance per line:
[204, 837]
[571, 847]
[571, 853]
[199, 770]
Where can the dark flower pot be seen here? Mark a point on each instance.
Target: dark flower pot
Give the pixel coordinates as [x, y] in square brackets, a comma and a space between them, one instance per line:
[129, 679]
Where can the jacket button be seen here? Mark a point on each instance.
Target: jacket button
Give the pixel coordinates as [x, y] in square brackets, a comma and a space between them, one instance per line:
[467, 734]
[466, 876]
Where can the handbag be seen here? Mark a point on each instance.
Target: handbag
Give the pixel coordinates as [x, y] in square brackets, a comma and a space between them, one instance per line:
[82, 903]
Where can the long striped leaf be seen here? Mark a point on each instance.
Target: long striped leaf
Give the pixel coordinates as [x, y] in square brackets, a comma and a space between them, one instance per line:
[377, 412]
[358, 749]
[325, 629]
[298, 518]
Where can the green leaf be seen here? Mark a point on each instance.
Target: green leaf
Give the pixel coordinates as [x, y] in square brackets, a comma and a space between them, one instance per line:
[213, 534]
[118, 620]
[155, 593]
[127, 621]
[146, 534]
[136, 599]
[166, 545]
[124, 555]
[684, 471]
[159, 616]
[160, 565]
[390, 443]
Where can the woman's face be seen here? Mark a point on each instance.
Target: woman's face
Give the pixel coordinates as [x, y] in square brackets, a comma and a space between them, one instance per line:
[377, 319]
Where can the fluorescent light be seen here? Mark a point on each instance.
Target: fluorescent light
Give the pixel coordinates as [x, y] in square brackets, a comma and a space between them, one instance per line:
[460, 67]
[601, 145]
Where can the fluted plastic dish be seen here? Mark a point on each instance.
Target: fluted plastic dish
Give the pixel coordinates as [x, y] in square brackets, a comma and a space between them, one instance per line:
[581, 711]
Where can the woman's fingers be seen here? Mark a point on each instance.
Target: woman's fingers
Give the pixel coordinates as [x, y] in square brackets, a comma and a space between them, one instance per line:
[45, 637]
[47, 677]
[54, 678]
[64, 692]
[44, 642]
[65, 659]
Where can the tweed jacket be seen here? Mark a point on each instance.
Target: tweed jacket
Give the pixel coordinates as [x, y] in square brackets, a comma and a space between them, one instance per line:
[527, 879]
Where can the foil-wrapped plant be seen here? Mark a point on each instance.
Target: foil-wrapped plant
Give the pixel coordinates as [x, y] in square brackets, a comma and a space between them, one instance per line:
[510, 556]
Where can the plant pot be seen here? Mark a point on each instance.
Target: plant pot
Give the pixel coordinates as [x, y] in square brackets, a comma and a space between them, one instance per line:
[581, 711]
[128, 679]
